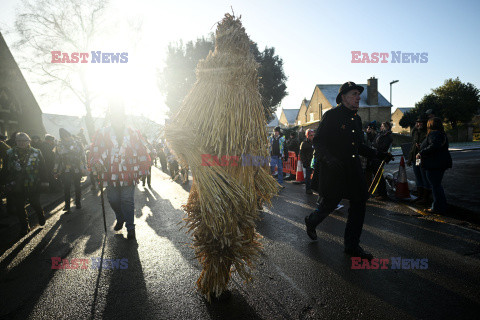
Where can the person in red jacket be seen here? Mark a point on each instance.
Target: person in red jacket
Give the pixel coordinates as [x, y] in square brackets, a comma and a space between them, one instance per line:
[119, 157]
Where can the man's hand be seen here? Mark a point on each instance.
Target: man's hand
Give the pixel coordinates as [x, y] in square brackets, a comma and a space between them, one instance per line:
[387, 156]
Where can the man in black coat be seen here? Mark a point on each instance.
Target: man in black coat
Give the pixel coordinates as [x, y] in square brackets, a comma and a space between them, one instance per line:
[338, 143]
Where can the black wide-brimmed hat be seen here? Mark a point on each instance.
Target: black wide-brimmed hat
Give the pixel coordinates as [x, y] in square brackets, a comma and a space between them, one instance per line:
[347, 86]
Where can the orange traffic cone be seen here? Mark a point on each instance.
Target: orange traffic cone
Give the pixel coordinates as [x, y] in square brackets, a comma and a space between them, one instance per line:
[402, 191]
[299, 177]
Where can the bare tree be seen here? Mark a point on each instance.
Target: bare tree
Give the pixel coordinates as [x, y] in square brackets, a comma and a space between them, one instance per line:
[67, 25]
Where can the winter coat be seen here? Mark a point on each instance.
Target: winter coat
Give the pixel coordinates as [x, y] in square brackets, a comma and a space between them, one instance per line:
[293, 145]
[418, 136]
[70, 157]
[383, 141]
[306, 153]
[125, 163]
[434, 152]
[281, 144]
[25, 169]
[339, 139]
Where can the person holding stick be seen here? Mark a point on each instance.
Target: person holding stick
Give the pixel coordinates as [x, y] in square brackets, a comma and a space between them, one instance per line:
[338, 142]
[119, 157]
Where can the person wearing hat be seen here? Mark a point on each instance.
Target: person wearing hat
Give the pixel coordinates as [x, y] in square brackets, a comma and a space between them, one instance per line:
[25, 173]
[338, 142]
[70, 165]
[277, 146]
[429, 114]
[419, 133]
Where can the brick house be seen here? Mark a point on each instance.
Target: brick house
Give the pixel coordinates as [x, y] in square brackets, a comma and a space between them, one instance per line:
[397, 115]
[288, 117]
[19, 111]
[373, 105]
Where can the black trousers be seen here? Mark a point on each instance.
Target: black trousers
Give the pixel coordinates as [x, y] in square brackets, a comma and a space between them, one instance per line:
[173, 169]
[147, 177]
[356, 216]
[68, 179]
[19, 200]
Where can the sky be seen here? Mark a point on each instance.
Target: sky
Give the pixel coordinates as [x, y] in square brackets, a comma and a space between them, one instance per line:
[314, 38]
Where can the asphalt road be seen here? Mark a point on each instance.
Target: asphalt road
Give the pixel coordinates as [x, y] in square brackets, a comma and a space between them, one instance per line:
[461, 183]
[295, 278]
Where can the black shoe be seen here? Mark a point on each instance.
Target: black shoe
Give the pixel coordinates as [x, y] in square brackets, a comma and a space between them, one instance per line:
[41, 218]
[311, 232]
[131, 234]
[149, 186]
[358, 252]
[309, 191]
[118, 226]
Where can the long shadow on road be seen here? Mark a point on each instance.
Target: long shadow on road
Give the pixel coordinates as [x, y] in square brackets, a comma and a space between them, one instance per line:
[26, 281]
[419, 293]
[166, 222]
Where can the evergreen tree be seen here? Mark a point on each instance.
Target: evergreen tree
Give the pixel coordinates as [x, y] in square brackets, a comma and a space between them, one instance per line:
[178, 76]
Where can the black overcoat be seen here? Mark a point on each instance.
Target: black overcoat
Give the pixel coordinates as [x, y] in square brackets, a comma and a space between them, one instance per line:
[434, 152]
[339, 139]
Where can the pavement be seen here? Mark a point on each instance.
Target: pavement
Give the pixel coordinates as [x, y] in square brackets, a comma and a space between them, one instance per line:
[9, 224]
[295, 278]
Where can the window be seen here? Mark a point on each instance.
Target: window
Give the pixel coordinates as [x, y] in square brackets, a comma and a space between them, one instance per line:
[312, 118]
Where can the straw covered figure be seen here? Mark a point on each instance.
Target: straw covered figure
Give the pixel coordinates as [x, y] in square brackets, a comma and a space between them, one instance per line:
[221, 123]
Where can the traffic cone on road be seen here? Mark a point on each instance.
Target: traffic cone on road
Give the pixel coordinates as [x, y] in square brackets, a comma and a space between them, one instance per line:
[300, 177]
[402, 191]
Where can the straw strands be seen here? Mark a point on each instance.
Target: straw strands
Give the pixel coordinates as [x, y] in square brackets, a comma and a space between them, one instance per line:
[222, 115]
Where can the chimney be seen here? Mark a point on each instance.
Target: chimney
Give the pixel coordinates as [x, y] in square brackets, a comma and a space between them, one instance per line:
[372, 91]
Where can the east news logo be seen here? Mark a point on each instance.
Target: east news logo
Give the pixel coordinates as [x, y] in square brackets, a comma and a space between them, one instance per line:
[97, 57]
[396, 57]
[396, 263]
[97, 263]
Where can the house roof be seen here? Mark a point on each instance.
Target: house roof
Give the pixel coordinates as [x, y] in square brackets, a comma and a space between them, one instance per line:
[291, 115]
[274, 122]
[330, 91]
[404, 110]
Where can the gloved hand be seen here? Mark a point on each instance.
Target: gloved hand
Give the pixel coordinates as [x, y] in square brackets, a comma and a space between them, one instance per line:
[387, 156]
